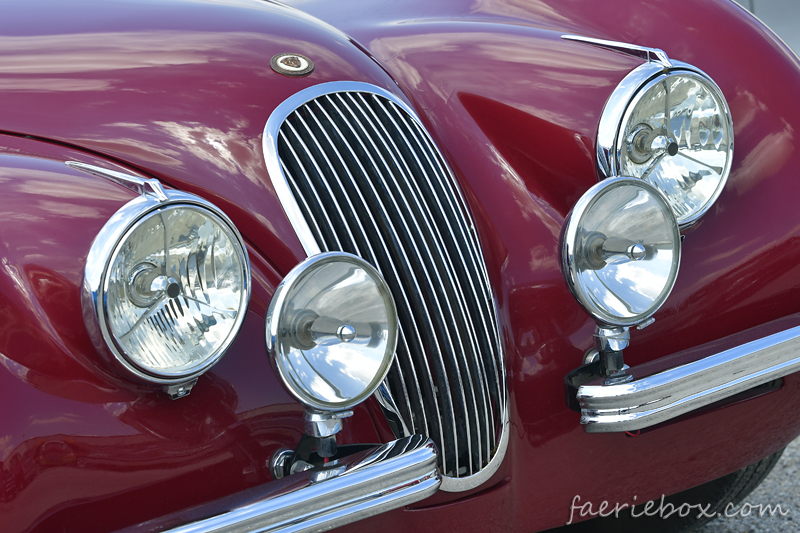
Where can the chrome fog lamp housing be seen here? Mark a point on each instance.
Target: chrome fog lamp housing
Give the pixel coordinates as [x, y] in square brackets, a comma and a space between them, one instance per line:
[332, 331]
[669, 124]
[166, 285]
[621, 251]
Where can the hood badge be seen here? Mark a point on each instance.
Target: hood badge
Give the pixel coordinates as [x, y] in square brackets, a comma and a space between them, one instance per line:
[291, 64]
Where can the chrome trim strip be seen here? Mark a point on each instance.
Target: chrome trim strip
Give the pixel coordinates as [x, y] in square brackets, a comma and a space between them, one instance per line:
[642, 52]
[391, 476]
[654, 399]
[135, 183]
[389, 407]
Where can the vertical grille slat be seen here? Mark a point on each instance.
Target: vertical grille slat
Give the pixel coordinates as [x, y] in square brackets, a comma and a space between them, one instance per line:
[446, 191]
[397, 240]
[427, 235]
[341, 226]
[487, 436]
[464, 320]
[386, 264]
[317, 208]
[368, 181]
[303, 206]
[372, 257]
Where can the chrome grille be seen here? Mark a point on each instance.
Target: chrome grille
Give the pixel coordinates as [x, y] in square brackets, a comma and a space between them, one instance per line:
[366, 179]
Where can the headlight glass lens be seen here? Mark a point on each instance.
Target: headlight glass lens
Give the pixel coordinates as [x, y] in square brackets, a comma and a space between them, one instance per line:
[332, 331]
[175, 289]
[621, 251]
[677, 135]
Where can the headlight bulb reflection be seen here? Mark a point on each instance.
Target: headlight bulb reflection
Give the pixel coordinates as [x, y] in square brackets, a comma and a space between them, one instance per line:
[644, 144]
[600, 250]
[309, 330]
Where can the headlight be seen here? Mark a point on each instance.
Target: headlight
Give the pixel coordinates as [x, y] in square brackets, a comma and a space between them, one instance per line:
[621, 251]
[332, 331]
[673, 129]
[168, 281]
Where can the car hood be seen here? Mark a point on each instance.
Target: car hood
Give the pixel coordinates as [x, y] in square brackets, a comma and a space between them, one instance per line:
[182, 89]
[178, 89]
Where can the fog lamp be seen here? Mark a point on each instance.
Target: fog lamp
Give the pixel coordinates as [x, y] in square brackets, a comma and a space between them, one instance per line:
[621, 251]
[332, 331]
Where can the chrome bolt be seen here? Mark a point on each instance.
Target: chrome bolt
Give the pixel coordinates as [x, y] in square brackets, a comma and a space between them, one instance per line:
[346, 333]
[637, 251]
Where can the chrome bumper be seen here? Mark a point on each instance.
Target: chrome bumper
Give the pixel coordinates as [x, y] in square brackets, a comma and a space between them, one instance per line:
[651, 400]
[384, 478]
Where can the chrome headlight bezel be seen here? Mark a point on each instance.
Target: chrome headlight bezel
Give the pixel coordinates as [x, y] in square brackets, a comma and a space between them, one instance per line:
[623, 101]
[95, 283]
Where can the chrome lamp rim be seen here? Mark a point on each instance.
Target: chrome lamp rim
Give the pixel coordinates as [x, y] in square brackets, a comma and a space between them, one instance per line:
[620, 105]
[273, 323]
[570, 238]
[95, 282]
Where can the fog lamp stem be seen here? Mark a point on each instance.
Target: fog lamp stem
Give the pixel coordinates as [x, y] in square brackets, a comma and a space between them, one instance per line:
[610, 341]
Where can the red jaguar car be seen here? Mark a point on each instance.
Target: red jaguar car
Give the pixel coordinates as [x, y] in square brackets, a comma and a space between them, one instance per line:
[464, 265]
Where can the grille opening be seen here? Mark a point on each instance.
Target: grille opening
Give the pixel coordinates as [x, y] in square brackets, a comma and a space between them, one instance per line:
[368, 181]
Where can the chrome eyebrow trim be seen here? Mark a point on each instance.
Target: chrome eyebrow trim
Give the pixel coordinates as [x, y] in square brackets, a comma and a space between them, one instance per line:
[136, 184]
[642, 52]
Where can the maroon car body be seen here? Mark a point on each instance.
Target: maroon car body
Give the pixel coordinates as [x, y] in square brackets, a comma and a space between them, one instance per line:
[180, 90]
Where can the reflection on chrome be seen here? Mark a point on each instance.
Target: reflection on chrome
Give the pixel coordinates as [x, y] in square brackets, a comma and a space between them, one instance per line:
[332, 329]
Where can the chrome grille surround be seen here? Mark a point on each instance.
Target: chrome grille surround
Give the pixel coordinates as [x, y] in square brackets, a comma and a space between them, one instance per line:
[355, 171]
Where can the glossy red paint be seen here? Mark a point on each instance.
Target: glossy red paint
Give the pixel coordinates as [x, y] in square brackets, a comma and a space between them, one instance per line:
[79, 445]
[181, 91]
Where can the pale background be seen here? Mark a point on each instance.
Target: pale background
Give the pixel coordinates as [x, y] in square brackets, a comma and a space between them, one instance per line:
[782, 16]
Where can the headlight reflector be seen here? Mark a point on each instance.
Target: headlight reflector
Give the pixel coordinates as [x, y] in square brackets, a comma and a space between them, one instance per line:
[169, 282]
[332, 331]
[621, 251]
[673, 130]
